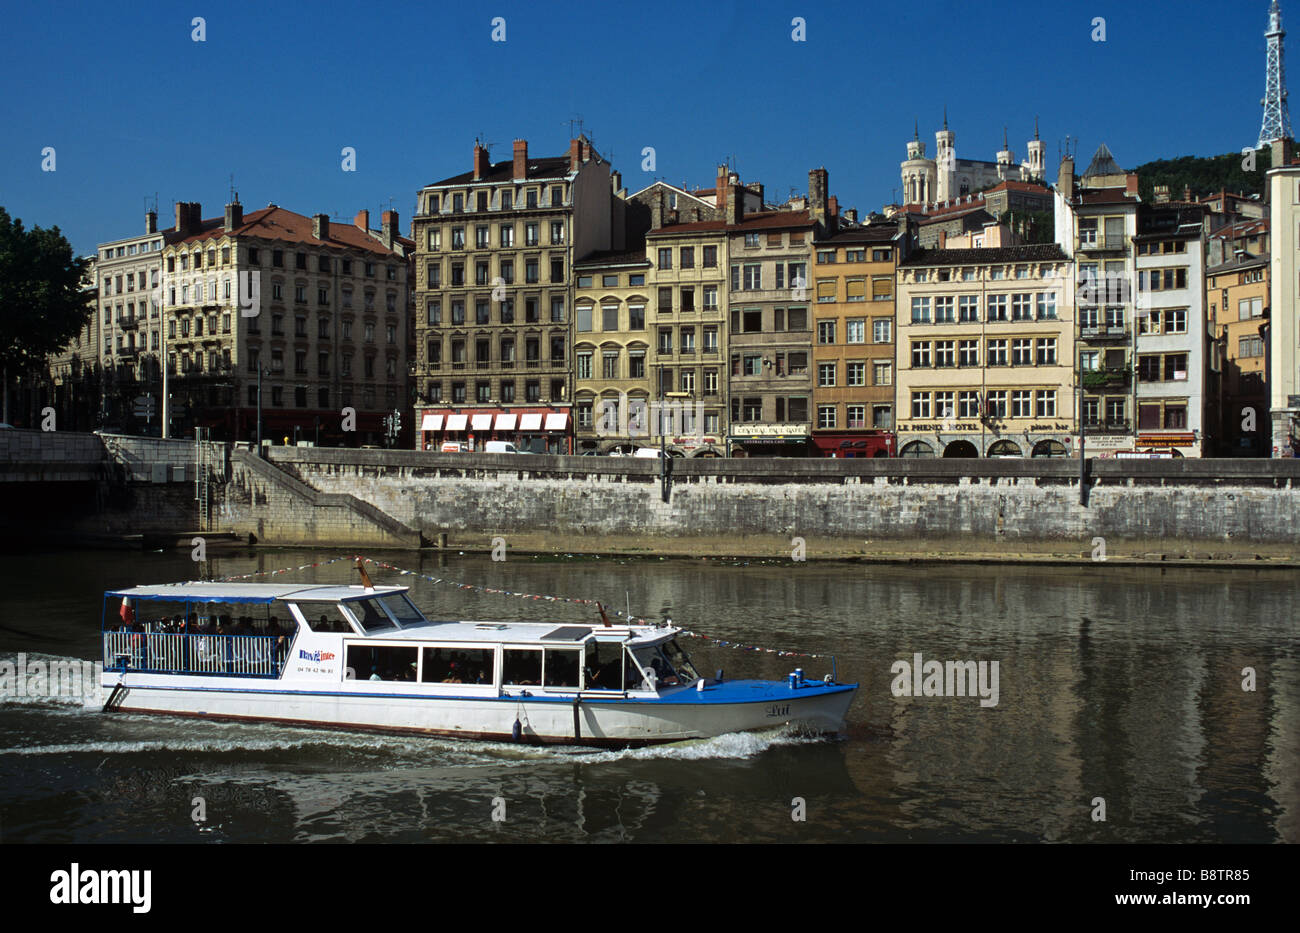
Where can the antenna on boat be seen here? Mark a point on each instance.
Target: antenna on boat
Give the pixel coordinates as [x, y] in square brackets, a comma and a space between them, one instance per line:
[604, 618]
[365, 577]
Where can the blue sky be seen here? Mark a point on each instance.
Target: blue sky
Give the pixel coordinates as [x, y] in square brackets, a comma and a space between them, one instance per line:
[133, 106]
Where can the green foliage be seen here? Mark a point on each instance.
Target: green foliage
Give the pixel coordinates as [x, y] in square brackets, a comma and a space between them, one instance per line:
[1204, 174]
[1033, 226]
[42, 305]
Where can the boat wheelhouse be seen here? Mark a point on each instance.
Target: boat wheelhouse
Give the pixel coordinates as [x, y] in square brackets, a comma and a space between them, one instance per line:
[365, 657]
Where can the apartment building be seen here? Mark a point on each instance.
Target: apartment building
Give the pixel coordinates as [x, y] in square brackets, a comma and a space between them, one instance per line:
[612, 379]
[853, 353]
[1281, 321]
[985, 350]
[495, 252]
[1237, 293]
[1096, 220]
[73, 375]
[1172, 332]
[129, 318]
[689, 334]
[286, 316]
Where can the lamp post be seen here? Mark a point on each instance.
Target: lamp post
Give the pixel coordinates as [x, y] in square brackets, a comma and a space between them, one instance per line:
[260, 372]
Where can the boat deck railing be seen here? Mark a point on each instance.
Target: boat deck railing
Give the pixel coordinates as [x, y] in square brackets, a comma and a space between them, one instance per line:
[178, 653]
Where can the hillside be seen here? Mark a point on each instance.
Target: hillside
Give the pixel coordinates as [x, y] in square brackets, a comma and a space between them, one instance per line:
[1204, 174]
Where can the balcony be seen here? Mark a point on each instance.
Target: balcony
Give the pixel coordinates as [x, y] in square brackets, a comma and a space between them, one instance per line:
[1099, 243]
[1108, 378]
[1104, 332]
[128, 323]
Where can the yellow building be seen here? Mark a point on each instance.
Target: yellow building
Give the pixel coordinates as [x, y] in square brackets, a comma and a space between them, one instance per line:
[853, 352]
[985, 350]
[612, 379]
[1237, 292]
[689, 332]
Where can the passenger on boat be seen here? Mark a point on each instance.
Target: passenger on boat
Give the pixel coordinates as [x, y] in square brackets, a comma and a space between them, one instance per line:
[374, 674]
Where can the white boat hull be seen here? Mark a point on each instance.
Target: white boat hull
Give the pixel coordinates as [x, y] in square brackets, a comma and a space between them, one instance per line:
[589, 719]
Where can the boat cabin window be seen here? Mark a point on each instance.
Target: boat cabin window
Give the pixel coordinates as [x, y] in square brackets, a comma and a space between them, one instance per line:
[522, 666]
[323, 617]
[669, 663]
[402, 609]
[370, 614]
[605, 665]
[561, 666]
[456, 666]
[381, 662]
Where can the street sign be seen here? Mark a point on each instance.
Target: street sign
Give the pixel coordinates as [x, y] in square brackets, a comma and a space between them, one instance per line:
[144, 406]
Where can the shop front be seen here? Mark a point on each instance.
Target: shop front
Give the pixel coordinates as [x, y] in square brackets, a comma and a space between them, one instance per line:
[1175, 443]
[536, 430]
[853, 444]
[770, 440]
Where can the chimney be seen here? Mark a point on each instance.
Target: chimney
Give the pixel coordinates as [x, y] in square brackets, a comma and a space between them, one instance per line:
[851, 215]
[390, 227]
[586, 149]
[320, 226]
[720, 190]
[151, 222]
[833, 206]
[657, 209]
[575, 154]
[521, 159]
[735, 210]
[817, 180]
[1131, 183]
[234, 216]
[943, 238]
[616, 181]
[1065, 179]
[481, 164]
[362, 220]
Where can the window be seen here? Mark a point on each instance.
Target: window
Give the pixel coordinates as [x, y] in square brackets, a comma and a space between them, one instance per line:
[997, 307]
[752, 366]
[943, 353]
[920, 354]
[583, 358]
[1250, 347]
[1047, 306]
[826, 290]
[968, 404]
[1176, 321]
[557, 232]
[826, 374]
[665, 258]
[1022, 352]
[1045, 403]
[943, 310]
[997, 404]
[688, 298]
[997, 355]
[688, 257]
[825, 416]
[688, 339]
[920, 310]
[1021, 401]
[1046, 351]
[1022, 307]
[753, 276]
[825, 331]
[855, 331]
[968, 308]
[710, 257]
[881, 330]
[920, 404]
[557, 270]
[968, 353]
[856, 373]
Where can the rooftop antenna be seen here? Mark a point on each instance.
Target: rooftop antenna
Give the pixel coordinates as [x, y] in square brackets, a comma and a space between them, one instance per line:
[481, 139]
[575, 120]
[232, 187]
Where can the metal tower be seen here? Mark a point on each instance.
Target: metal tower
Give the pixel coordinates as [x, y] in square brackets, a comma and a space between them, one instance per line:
[1277, 117]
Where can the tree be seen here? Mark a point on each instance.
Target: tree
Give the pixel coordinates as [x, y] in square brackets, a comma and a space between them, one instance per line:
[42, 305]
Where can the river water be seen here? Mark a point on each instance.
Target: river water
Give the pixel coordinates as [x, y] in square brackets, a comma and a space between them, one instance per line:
[1118, 688]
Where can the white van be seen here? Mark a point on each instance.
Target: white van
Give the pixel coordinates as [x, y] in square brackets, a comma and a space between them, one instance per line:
[499, 447]
[650, 453]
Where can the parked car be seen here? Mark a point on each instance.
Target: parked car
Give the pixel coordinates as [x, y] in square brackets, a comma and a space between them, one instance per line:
[499, 447]
[451, 447]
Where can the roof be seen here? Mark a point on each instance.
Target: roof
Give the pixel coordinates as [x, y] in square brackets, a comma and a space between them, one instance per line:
[872, 233]
[610, 257]
[250, 592]
[504, 172]
[952, 213]
[1034, 252]
[1105, 196]
[1010, 185]
[1103, 163]
[1241, 228]
[277, 223]
[767, 220]
[1237, 265]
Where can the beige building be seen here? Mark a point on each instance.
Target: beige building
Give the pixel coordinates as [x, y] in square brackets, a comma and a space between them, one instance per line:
[1238, 294]
[1283, 314]
[612, 376]
[288, 315]
[688, 333]
[496, 246]
[985, 350]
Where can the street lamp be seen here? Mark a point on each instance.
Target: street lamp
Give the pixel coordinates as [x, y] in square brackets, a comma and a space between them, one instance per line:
[260, 373]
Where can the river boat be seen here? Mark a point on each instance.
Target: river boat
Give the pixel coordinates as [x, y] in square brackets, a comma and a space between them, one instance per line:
[365, 657]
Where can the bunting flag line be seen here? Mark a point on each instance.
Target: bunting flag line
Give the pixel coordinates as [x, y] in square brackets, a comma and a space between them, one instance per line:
[631, 620]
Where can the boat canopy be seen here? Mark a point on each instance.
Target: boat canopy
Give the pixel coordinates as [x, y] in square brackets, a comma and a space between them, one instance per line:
[251, 592]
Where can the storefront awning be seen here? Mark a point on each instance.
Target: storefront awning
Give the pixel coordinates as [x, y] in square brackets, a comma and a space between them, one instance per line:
[431, 423]
[557, 420]
[530, 422]
[506, 422]
[457, 422]
[481, 422]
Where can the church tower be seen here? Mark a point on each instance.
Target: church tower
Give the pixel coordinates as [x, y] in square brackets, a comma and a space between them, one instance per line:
[945, 156]
[918, 173]
[1036, 167]
[1006, 158]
